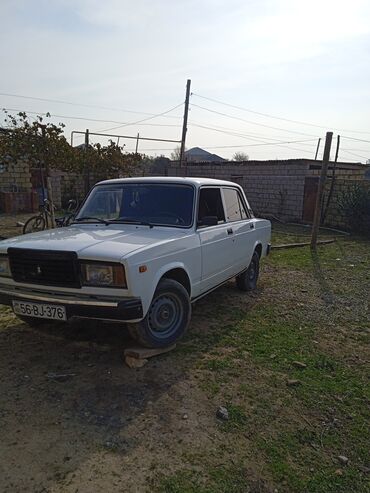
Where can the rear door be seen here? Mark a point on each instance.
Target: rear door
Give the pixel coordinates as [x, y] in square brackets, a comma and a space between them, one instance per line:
[216, 241]
[242, 227]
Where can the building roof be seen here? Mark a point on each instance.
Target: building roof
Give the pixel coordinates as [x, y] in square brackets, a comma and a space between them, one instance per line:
[199, 154]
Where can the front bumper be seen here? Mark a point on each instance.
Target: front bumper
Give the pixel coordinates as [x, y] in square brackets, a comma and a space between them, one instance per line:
[101, 308]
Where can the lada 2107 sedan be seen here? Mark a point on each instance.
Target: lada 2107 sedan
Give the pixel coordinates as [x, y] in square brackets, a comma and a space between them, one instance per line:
[140, 251]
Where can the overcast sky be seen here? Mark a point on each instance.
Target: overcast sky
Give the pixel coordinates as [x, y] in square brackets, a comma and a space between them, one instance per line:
[298, 60]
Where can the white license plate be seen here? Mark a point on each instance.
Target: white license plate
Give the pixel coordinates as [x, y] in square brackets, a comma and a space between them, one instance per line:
[39, 310]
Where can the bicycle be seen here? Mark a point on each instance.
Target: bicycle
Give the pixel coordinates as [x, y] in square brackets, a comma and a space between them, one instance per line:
[43, 220]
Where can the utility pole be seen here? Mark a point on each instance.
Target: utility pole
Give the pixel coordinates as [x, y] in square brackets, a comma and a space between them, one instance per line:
[323, 216]
[87, 164]
[337, 150]
[317, 148]
[48, 179]
[320, 190]
[185, 122]
[137, 143]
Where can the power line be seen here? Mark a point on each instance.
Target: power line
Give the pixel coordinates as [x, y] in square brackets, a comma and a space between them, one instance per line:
[356, 149]
[242, 135]
[231, 131]
[59, 101]
[276, 117]
[141, 121]
[68, 117]
[253, 145]
[353, 154]
[252, 122]
[236, 146]
[353, 138]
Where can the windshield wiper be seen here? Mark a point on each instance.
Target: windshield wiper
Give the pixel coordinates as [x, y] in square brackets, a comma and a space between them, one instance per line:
[131, 221]
[91, 218]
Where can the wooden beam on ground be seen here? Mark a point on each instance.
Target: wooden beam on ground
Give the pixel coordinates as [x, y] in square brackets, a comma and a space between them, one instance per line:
[137, 356]
[297, 245]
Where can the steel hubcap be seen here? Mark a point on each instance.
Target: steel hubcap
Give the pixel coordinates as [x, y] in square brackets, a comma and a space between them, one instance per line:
[165, 315]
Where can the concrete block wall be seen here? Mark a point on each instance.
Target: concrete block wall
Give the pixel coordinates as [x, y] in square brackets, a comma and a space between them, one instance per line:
[71, 186]
[16, 177]
[343, 182]
[273, 188]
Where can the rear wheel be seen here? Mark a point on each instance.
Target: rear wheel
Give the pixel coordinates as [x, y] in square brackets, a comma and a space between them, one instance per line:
[34, 223]
[168, 316]
[247, 281]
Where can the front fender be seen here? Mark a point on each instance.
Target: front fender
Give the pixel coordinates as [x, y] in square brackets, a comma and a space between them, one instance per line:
[147, 299]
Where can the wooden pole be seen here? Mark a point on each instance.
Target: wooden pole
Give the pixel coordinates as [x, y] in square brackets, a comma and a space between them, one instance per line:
[323, 216]
[185, 122]
[336, 151]
[48, 179]
[320, 190]
[317, 148]
[137, 143]
[51, 202]
[87, 164]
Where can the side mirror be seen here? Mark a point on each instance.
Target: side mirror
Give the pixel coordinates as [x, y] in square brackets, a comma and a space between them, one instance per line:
[208, 221]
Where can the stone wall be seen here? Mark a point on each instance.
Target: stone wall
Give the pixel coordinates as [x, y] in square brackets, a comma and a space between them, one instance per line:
[273, 188]
[16, 189]
[276, 188]
[343, 182]
[16, 177]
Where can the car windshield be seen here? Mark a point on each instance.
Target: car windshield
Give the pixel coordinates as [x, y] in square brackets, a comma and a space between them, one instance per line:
[154, 204]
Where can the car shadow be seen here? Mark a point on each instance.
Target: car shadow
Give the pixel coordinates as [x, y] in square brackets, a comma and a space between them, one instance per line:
[66, 393]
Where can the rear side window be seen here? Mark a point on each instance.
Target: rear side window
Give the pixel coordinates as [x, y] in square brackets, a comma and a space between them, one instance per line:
[235, 209]
[210, 204]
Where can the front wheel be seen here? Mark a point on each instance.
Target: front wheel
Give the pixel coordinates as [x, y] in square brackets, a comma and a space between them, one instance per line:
[168, 316]
[35, 223]
[247, 281]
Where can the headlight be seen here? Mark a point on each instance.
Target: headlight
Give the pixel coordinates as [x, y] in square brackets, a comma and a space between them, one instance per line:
[101, 274]
[4, 267]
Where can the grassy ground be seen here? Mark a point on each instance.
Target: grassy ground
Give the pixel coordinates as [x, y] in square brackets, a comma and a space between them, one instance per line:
[293, 370]
[290, 362]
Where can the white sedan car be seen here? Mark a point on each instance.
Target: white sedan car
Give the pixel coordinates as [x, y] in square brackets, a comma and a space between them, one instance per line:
[140, 251]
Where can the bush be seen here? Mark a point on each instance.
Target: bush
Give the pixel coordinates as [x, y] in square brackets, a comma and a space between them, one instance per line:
[355, 205]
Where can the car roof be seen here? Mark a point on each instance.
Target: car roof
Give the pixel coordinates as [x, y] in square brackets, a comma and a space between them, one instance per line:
[196, 181]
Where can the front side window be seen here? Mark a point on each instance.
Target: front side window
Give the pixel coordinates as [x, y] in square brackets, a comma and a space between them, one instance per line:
[210, 205]
[155, 204]
[235, 209]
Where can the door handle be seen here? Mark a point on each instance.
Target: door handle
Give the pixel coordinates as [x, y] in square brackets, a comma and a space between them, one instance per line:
[230, 231]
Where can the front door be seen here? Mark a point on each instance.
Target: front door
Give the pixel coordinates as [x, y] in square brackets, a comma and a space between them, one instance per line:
[309, 200]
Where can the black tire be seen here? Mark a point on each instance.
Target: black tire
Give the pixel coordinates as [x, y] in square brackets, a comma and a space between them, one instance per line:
[32, 321]
[167, 319]
[247, 281]
[33, 224]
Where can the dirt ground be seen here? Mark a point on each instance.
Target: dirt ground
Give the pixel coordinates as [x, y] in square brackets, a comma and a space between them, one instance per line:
[75, 419]
[9, 226]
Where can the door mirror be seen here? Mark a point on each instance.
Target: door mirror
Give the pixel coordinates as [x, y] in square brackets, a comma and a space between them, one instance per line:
[208, 221]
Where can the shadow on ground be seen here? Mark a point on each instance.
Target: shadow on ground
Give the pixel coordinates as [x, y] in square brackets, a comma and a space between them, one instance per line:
[67, 399]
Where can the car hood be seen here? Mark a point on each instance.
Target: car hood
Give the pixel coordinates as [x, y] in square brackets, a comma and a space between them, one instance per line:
[95, 241]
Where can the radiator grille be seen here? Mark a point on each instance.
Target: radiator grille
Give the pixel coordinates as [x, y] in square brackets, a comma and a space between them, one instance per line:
[51, 268]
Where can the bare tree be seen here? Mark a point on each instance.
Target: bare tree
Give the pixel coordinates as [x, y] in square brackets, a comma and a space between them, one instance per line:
[240, 156]
[175, 154]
